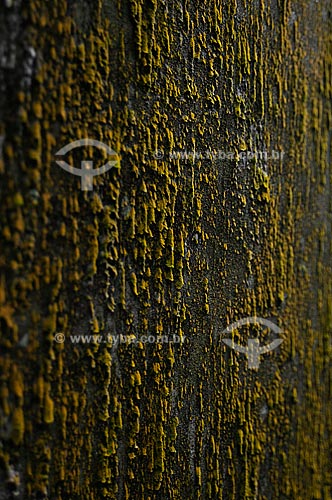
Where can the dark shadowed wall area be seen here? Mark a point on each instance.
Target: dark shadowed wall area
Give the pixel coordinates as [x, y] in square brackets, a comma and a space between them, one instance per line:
[217, 207]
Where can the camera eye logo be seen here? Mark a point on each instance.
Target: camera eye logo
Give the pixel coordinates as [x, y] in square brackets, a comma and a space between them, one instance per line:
[87, 172]
[253, 350]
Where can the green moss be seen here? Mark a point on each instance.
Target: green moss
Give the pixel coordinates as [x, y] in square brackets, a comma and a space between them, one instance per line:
[165, 246]
[17, 424]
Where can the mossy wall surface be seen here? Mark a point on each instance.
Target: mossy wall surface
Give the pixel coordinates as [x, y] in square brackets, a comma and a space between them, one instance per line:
[165, 245]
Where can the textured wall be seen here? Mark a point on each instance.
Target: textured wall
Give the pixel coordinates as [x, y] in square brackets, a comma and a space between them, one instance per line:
[181, 246]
